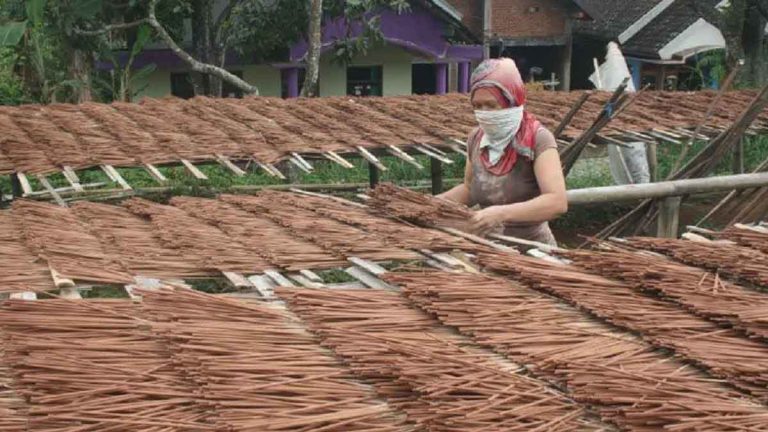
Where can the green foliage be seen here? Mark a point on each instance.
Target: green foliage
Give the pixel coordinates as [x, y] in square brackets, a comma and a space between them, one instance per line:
[11, 87]
[11, 33]
[361, 13]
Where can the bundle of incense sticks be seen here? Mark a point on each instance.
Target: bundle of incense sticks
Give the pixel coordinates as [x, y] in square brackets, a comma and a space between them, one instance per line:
[260, 370]
[330, 234]
[194, 238]
[56, 235]
[739, 261]
[22, 270]
[436, 377]
[704, 293]
[419, 208]
[92, 366]
[724, 352]
[264, 237]
[135, 243]
[747, 236]
[394, 231]
[628, 381]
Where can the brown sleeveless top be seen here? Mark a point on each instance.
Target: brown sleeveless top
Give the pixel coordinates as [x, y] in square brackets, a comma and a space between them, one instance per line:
[518, 185]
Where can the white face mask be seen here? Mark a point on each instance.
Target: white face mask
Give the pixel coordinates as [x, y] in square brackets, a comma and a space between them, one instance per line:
[499, 129]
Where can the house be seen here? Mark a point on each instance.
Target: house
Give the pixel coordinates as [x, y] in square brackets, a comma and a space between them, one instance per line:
[538, 34]
[660, 38]
[427, 50]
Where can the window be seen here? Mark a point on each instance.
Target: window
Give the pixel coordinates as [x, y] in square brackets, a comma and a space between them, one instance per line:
[423, 78]
[364, 81]
[181, 85]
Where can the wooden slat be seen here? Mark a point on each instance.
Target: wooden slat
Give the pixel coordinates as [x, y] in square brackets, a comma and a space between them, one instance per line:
[371, 158]
[26, 187]
[47, 185]
[194, 170]
[334, 157]
[117, 177]
[279, 279]
[225, 162]
[367, 279]
[155, 173]
[369, 266]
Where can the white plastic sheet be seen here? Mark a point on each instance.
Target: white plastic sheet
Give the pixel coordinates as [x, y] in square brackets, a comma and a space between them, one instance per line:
[628, 165]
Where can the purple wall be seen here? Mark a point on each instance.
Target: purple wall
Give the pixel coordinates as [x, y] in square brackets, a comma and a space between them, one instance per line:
[419, 31]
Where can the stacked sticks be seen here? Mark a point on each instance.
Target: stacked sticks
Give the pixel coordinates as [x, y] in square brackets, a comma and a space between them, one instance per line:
[330, 234]
[54, 234]
[394, 231]
[723, 352]
[263, 236]
[91, 366]
[415, 207]
[738, 261]
[22, 270]
[270, 129]
[702, 292]
[627, 381]
[751, 237]
[259, 370]
[440, 382]
[135, 242]
[208, 246]
[13, 417]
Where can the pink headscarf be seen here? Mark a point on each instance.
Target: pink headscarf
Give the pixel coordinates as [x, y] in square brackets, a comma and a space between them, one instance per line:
[502, 78]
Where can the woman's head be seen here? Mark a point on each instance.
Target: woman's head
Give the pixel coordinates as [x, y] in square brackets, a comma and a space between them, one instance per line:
[497, 84]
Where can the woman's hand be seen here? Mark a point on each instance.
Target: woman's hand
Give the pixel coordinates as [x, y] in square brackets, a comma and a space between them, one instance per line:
[486, 220]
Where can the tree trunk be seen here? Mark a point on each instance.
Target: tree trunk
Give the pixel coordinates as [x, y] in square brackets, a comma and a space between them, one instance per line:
[313, 50]
[202, 43]
[753, 41]
[81, 71]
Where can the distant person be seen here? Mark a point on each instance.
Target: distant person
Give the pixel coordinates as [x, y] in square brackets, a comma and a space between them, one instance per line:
[513, 170]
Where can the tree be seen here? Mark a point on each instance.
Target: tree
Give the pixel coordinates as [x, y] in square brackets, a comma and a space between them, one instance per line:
[743, 24]
[314, 37]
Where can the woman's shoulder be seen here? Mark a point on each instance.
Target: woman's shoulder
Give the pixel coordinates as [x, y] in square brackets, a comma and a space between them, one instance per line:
[545, 140]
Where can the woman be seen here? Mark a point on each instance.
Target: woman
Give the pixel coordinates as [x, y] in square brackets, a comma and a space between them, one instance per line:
[513, 168]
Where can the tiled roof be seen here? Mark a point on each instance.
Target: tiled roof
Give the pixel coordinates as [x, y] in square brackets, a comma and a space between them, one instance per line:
[611, 17]
[668, 25]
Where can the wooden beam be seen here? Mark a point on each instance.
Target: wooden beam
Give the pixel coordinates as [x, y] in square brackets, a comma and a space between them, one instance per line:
[669, 217]
[373, 175]
[666, 189]
[571, 114]
[436, 175]
[738, 157]
[651, 153]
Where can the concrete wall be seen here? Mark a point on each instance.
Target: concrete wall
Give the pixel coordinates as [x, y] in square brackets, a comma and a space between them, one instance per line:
[396, 71]
[396, 77]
